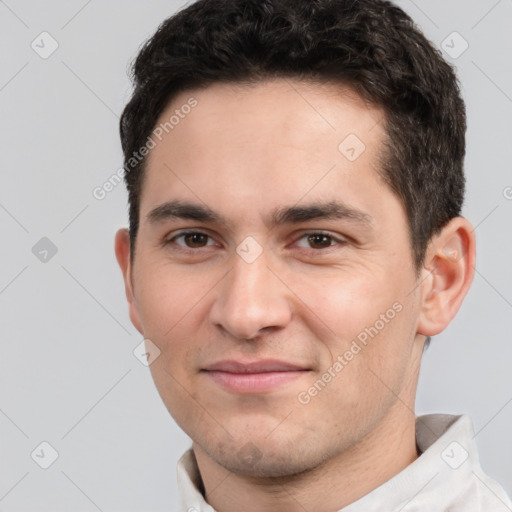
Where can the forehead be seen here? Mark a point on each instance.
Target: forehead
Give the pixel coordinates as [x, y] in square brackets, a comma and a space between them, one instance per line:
[271, 141]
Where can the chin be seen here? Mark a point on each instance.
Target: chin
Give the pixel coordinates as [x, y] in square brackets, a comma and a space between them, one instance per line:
[261, 459]
[267, 467]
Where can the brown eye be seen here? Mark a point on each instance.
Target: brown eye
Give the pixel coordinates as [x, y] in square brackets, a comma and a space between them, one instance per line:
[195, 240]
[190, 240]
[319, 241]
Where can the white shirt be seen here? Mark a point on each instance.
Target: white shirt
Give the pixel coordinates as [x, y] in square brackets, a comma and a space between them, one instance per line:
[446, 477]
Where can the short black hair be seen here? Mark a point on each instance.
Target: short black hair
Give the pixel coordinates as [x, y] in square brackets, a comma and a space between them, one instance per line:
[372, 46]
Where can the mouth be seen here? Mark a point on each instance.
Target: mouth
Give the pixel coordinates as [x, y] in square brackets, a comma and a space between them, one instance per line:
[254, 377]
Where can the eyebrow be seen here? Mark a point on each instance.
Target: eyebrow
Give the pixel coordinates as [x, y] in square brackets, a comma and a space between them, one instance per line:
[176, 209]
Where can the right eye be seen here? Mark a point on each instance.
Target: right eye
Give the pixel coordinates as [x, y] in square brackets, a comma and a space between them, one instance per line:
[191, 240]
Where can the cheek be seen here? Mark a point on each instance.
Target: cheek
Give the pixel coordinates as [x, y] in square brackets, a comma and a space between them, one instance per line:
[367, 319]
[349, 300]
[169, 296]
[172, 305]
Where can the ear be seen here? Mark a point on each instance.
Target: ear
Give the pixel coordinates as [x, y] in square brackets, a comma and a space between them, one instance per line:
[122, 249]
[447, 275]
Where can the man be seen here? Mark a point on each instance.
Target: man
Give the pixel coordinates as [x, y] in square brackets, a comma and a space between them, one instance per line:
[295, 178]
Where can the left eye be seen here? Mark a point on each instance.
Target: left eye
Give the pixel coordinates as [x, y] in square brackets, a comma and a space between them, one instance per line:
[318, 241]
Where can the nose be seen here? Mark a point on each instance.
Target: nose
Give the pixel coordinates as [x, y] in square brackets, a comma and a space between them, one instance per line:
[251, 300]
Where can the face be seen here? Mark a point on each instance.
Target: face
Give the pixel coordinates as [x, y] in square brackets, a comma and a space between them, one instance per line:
[267, 236]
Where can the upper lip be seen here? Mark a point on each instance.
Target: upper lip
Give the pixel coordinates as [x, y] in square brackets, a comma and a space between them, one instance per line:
[260, 366]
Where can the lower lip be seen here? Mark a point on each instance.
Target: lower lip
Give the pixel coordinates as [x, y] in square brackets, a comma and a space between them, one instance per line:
[254, 382]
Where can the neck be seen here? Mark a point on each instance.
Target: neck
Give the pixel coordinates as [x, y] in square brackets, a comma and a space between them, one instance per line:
[336, 483]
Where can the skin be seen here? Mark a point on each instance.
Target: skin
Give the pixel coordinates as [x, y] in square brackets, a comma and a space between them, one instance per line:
[243, 152]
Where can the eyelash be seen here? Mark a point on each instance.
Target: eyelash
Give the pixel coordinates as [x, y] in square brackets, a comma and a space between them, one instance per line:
[337, 240]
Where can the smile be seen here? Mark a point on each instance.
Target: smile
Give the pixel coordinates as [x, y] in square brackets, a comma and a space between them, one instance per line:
[254, 382]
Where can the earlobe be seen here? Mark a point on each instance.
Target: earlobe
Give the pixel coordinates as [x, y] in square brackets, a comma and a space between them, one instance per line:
[448, 273]
[122, 250]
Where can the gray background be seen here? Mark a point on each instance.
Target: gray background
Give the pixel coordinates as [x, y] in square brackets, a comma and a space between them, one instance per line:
[67, 372]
